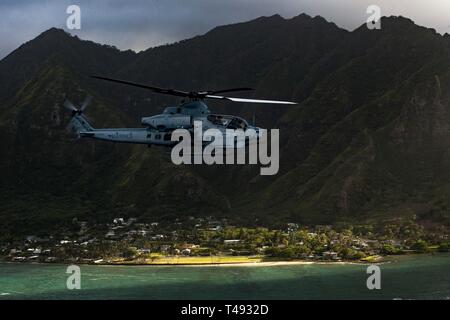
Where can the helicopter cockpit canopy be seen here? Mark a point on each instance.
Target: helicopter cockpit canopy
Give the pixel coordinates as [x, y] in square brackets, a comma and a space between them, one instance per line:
[229, 122]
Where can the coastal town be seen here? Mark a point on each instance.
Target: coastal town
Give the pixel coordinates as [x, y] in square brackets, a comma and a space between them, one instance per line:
[206, 240]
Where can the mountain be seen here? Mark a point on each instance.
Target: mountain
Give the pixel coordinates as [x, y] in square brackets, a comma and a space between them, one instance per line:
[368, 140]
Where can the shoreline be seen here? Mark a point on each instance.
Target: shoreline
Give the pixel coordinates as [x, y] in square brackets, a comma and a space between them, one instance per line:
[218, 264]
[274, 263]
[238, 264]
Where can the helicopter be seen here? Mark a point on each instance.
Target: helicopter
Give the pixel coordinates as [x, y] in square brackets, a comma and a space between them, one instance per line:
[157, 130]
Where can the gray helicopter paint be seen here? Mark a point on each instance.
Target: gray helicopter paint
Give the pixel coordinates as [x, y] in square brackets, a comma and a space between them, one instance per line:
[177, 117]
[142, 136]
[184, 117]
[130, 135]
[175, 121]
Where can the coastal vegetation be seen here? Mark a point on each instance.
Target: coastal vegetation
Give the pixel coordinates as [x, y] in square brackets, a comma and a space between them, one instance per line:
[210, 241]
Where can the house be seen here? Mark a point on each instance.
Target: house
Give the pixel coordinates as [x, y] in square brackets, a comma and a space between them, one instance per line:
[119, 221]
[19, 259]
[330, 255]
[292, 227]
[229, 252]
[189, 246]
[110, 234]
[186, 252]
[142, 233]
[51, 259]
[164, 247]
[231, 242]
[36, 239]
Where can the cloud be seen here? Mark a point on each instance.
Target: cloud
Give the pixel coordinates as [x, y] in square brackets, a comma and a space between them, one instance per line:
[140, 24]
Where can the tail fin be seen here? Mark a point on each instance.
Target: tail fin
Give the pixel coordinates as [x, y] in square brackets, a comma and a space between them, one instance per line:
[78, 123]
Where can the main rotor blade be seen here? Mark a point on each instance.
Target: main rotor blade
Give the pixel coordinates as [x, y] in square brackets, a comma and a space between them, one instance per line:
[152, 88]
[69, 106]
[194, 95]
[86, 103]
[249, 100]
[229, 90]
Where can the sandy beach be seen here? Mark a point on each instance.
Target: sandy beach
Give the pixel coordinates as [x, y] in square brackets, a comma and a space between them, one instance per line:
[242, 264]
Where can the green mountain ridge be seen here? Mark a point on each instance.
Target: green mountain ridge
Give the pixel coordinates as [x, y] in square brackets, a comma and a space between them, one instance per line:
[368, 141]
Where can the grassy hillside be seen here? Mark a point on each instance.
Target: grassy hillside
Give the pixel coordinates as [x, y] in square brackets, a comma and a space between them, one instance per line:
[368, 141]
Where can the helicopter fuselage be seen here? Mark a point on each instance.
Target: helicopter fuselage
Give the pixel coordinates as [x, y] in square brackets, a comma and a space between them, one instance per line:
[158, 129]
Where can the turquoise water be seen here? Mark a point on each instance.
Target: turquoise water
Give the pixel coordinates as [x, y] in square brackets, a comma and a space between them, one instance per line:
[413, 277]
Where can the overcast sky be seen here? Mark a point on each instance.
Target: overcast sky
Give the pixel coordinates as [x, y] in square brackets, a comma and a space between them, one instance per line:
[139, 24]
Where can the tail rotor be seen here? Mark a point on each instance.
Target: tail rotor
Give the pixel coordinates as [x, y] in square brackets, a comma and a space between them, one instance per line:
[86, 103]
[71, 107]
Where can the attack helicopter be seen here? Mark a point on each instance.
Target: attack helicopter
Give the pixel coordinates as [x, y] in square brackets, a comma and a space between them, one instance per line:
[157, 130]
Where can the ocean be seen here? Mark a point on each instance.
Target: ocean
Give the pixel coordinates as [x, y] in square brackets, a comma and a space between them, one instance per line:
[404, 277]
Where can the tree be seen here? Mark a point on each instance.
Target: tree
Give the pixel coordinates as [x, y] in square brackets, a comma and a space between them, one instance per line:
[288, 253]
[130, 253]
[351, 254]
[390, 249]
[444, 247]
[420, 246]
[303, 249]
